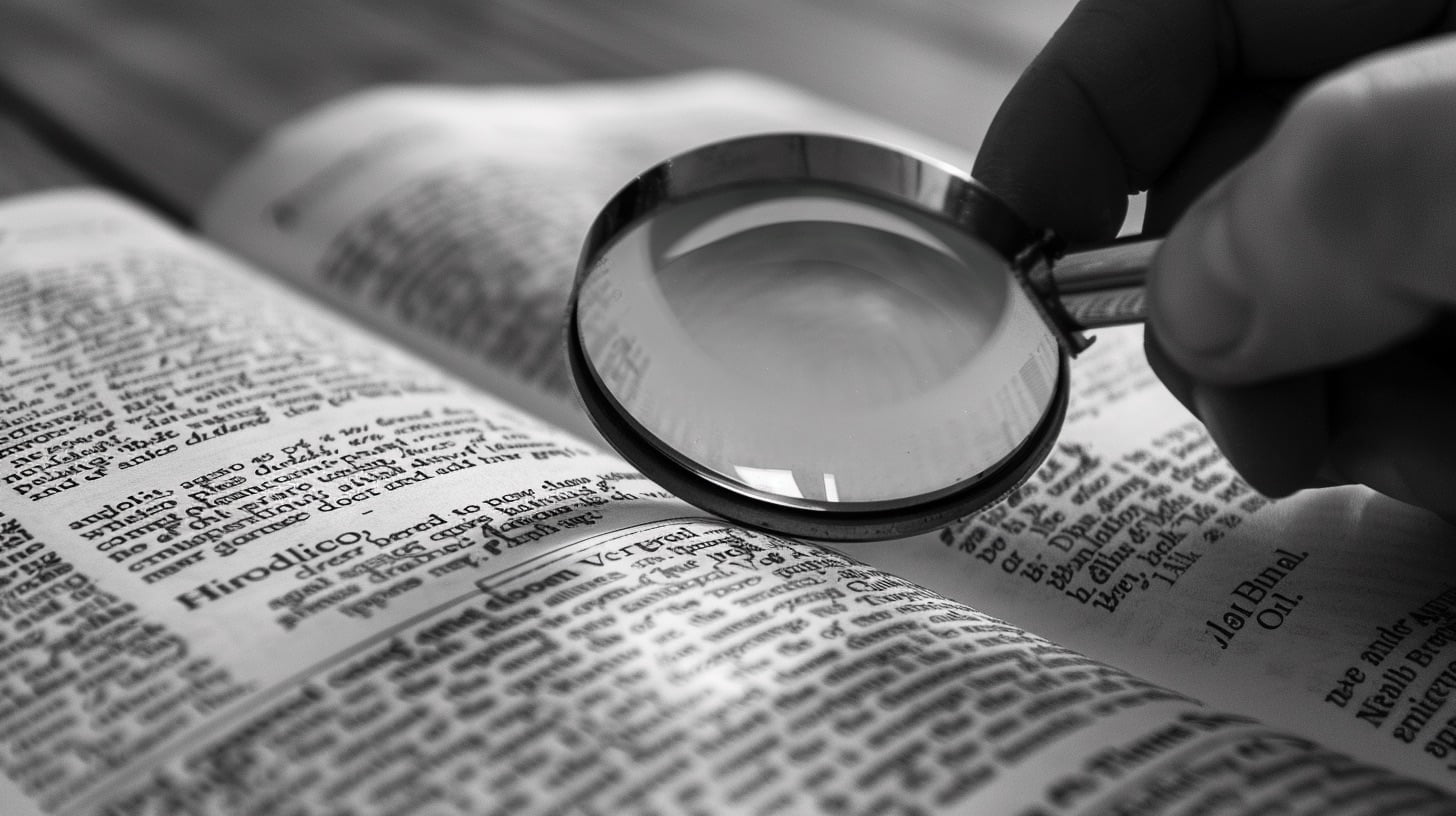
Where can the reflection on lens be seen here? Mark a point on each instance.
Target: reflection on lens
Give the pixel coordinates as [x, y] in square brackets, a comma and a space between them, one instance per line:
[811, 344]
[817, 311]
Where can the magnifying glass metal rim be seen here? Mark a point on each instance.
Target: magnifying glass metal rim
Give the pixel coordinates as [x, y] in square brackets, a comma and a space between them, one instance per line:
[844, 521]
[900, 178]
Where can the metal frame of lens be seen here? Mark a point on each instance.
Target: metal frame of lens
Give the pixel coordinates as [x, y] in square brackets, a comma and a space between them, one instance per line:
[901, 180]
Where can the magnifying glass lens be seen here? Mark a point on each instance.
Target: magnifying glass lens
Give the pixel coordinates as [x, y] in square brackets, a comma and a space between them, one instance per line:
[816, 345]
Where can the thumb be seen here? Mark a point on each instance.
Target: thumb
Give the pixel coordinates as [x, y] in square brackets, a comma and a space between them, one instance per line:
[1335, 239]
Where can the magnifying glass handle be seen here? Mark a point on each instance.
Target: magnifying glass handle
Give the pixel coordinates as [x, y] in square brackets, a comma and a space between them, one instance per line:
[1105, 286]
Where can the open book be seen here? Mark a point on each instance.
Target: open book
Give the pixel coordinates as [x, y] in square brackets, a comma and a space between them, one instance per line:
[322, 531]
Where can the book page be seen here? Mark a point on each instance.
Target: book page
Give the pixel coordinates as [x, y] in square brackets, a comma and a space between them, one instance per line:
[450, 219]
[1331, 611]
[1135, 542]
[253, 561]
[182, 443]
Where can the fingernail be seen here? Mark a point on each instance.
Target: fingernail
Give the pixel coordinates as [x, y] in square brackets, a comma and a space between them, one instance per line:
[1202, 308]
[1203, 404]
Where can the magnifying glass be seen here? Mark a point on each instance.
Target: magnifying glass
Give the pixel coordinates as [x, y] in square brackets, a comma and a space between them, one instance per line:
[832, 338]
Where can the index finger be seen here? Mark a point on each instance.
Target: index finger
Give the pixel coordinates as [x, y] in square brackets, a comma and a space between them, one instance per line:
[1107, 107]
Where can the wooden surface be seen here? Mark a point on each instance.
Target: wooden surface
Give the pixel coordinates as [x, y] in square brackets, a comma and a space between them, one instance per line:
[165, 94]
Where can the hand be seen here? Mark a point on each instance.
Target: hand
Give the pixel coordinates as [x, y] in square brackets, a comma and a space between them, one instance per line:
[1301, 306]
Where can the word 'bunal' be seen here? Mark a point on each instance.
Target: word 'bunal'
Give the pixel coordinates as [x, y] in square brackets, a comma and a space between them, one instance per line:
[1255, 599]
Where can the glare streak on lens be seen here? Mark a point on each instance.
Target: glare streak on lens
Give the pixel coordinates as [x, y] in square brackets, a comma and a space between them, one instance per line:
[831, 489]
[770, 480]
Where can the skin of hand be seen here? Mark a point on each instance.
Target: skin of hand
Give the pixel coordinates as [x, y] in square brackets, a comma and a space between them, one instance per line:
[1301, 155]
